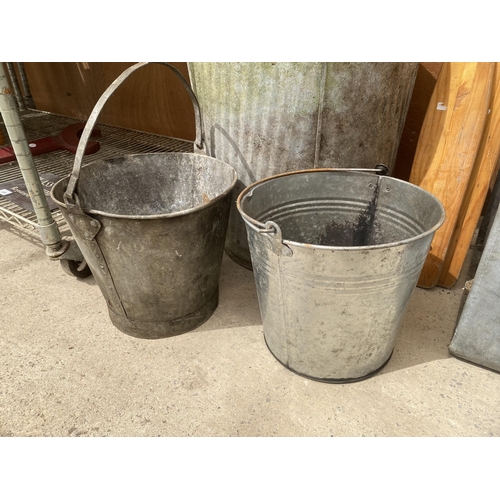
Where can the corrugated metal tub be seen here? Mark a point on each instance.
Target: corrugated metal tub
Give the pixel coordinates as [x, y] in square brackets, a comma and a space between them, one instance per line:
[270, 118]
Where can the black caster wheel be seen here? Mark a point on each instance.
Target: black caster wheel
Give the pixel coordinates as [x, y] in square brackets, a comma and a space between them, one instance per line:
[75, 268]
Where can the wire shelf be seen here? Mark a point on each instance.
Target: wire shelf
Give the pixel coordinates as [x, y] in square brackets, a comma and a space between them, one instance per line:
[114, 141]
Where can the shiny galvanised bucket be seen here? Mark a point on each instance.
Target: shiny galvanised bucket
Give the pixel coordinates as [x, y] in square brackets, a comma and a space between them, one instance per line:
[269, 118]
[336, 256]
[151, 227]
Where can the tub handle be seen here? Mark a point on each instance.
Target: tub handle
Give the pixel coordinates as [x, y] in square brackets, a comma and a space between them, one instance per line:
[275, 240]
[379, 169]
[70, 197]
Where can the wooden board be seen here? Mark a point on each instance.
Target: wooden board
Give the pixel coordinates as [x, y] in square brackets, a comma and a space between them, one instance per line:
[152, 100]
[476, 192]
[447, 148]
[422, 92]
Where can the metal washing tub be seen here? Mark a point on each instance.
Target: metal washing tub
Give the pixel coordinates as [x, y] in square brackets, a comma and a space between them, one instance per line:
[336, 256]
[151, 228]
[269, 118]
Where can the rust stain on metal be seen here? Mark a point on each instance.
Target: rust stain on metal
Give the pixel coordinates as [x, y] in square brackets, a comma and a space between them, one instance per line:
[206, 198]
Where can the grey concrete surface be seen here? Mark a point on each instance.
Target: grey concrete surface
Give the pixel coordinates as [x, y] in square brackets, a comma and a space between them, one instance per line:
[66, 371]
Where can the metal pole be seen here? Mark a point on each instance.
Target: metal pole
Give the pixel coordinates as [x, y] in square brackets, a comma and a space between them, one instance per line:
[15, 86]
[51, 237]
[28, 99]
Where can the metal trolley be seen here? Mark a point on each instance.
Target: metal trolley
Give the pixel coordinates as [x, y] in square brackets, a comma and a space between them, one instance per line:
[25, 125]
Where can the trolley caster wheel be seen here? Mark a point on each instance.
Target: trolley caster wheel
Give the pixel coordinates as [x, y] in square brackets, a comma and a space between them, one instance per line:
[75, 268]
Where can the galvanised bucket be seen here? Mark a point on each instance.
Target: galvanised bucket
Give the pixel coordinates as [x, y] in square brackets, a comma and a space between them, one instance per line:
[336, 256]
[269, 118]
[152, 229]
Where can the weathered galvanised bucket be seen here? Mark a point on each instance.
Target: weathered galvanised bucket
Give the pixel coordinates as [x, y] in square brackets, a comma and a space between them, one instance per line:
[152, 229]
[336, 256]
[269, 118]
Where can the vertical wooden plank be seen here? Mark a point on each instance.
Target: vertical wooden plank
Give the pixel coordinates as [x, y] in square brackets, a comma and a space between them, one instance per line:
[448, 146]
[422, 92]
[476, 192]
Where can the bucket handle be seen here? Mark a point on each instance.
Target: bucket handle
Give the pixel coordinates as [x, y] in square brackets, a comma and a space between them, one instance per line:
[75, 174]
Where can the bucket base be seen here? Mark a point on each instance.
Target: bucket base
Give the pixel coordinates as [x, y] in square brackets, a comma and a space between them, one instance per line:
[243, 263]
[333, 380]
[164, 329]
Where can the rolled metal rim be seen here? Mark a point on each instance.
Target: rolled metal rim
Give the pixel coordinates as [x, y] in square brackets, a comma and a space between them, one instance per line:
[169, 215]
[406, 241]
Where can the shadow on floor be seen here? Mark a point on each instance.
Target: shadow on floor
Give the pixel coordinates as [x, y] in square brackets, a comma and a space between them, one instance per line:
[428, 328]
[238, 305]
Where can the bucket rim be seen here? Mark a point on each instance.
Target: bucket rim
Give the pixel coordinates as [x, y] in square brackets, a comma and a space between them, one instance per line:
[253, 223]
[169, 215]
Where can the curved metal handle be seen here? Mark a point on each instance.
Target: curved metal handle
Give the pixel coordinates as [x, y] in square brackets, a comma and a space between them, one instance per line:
[75, 174]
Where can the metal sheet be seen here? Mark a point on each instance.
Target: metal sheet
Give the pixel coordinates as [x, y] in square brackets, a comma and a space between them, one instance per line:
[477, 336]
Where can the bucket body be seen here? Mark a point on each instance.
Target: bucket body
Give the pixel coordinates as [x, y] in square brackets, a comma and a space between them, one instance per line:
[152, 229]
[336, 257]
[270, 118]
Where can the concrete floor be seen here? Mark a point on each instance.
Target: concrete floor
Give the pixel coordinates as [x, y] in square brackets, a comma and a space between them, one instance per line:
[65, 370]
